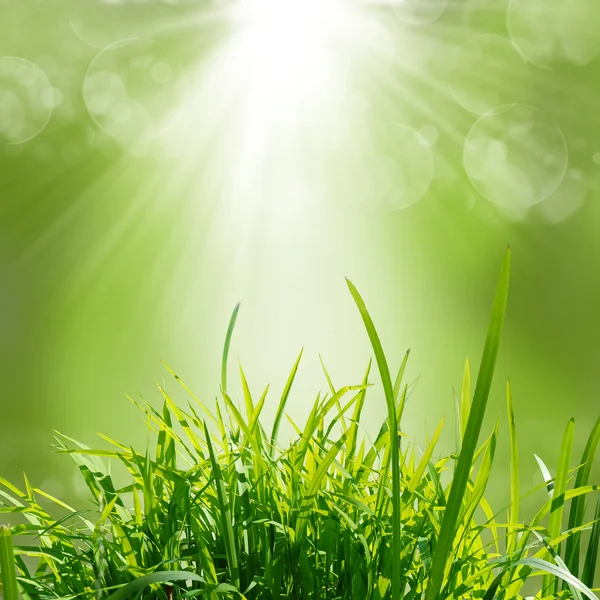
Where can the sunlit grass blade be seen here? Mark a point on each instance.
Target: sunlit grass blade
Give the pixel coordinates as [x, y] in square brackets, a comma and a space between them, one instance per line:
[228, 336]
[577, 512]
[282, 403]
[390, 398]
[445, 540]
[8, 574]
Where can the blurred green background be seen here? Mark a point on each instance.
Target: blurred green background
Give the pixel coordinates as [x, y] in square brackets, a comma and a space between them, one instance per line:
[158, 161]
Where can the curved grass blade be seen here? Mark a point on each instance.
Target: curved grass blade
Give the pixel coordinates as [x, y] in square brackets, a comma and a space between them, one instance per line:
[390, 398]
[445, 540]
[547, 567]
[137, 586]
[230, 328]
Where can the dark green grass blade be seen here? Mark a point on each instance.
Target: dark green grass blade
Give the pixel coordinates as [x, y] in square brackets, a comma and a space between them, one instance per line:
[230, 328]
[224, 511]
[577, 512]
[8, 574]
[390, 398]
[445, 540]
[591, 557]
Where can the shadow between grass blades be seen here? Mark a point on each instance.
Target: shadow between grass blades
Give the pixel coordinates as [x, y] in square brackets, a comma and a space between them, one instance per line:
[217, 508]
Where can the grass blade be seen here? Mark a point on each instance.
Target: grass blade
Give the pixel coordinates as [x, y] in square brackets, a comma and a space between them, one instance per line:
[390, 398]
[560, 487]
[135, 587]
[224, 512]
[445, 540]
[514, 469]
[591, 557]
[577, 512]
[284, 398]
[230, 328]
[8, 573]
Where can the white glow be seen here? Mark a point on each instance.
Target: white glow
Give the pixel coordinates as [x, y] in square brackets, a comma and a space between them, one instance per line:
[285, 45]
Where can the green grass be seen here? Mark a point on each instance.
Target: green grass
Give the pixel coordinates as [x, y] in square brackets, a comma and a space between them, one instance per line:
[216, 508]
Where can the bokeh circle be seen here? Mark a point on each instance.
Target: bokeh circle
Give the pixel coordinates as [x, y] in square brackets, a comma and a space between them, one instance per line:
[554, 32]
[393, 166]
[418, 12]
[486, 71]
[26, 100]
[131, 89]
[515, 157]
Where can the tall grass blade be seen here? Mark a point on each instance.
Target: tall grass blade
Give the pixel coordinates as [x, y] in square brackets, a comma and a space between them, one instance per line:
[8, 573]
[465, 400]
[224, 513]
[560, 487]
[443, 548]
[390, 398]
[514, 469]
[577, 512]
[591, 557]
[282, 402]
[230, 329]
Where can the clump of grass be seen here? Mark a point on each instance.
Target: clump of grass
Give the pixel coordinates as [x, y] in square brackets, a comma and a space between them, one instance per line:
[218, 509]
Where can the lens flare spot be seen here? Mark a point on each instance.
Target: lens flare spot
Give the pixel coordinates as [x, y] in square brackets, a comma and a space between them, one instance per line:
[515, 157]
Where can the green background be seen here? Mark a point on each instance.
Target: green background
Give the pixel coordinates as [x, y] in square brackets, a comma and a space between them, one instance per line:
[259, 160]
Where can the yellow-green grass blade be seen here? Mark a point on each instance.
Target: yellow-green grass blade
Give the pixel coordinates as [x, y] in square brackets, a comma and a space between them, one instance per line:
[591, 557]
[314, 485]
[514, 470]
[560, 487]
[227, 344]
[400, 375]
[577, 512]
[249, 403]
[417, 476]
[282, 402]
[8, 572]
[353, 428]
[390, 398]
[465, 399]
[445, 539]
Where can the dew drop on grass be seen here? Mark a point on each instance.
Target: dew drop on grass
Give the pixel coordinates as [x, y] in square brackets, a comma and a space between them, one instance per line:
[515, 157]
[25, 106]
[130, 87]
[554, 32]
[487, 71]
[392, 166]
[418, 12]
